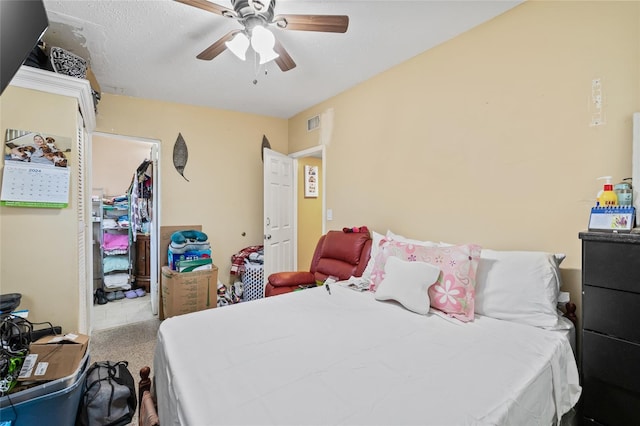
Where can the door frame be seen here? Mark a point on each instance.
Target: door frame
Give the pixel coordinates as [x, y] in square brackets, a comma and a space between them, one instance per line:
[155, 147]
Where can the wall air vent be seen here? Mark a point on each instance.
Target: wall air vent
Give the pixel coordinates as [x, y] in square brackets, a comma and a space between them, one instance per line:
[313, 123]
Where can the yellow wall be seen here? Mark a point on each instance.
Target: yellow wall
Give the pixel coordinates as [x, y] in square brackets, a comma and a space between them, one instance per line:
[487, 137]
[309, 215]
[114, 161]
[38, 247]
[224, 167]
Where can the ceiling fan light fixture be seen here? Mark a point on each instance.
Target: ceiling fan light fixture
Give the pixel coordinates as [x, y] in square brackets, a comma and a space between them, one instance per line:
[268, 56]
[238, 45]
[263, 41]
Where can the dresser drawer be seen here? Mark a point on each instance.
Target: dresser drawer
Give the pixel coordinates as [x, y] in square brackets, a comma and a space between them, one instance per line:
[606, 404]
[611, 360]
[611, 388]
[612, 265]
[612, 312]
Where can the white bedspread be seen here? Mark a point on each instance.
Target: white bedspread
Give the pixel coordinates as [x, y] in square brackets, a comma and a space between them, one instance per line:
[310, 357]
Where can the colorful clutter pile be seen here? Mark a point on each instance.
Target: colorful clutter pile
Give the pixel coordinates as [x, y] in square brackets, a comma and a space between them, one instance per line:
[356, 229]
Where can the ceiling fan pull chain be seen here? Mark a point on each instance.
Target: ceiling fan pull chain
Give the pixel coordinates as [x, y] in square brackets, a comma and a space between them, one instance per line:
[256, 67]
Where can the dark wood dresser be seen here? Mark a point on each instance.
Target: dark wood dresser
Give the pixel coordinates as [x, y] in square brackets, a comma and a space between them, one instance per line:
[610, 355]
[143, 261]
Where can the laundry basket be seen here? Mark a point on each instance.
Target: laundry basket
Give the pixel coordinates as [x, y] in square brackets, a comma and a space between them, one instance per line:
[253, 281]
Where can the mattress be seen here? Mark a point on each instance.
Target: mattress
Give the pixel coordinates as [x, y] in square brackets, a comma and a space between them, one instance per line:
[311, 357]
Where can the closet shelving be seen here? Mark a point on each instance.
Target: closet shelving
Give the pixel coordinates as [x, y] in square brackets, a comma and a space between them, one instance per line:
[116, 244]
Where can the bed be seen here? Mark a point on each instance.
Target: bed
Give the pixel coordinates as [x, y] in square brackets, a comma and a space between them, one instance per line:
[345, 357]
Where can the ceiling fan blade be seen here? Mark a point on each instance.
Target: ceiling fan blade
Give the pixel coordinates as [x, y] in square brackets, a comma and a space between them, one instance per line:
[323, 23]
[208, 6]
[284, 60]
[218, 47]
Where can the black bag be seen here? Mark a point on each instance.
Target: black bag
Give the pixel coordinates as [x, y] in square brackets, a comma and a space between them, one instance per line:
[108, 395]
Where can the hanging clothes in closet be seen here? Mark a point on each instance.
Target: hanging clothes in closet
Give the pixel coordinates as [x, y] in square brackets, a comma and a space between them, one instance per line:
[142, 190]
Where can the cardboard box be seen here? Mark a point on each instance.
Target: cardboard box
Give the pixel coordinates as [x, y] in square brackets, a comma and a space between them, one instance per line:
[54, 357]
[186, 292]
[165, 240]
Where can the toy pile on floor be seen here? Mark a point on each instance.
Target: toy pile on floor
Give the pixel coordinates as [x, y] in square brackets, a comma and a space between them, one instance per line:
[230, 295]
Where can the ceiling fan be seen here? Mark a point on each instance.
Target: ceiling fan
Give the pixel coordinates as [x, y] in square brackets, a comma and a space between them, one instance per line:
[255, 16]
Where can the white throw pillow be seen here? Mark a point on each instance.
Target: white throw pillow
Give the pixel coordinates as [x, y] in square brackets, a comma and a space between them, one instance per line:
[376, 238]
[519, 286]
[408, 283]
[401, 239]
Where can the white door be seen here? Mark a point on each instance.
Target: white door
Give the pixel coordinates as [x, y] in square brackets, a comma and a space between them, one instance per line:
[278, 213]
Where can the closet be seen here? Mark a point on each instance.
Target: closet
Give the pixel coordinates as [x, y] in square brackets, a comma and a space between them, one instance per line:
[123, 173]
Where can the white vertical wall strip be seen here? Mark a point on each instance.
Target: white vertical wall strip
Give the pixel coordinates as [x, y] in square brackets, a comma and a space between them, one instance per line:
[83, 213]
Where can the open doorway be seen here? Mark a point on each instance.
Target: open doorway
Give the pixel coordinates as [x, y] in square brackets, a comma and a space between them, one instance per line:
[310, 223]
[125, 218]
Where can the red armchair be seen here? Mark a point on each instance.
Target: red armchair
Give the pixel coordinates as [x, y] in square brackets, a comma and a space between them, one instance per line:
[337, 254]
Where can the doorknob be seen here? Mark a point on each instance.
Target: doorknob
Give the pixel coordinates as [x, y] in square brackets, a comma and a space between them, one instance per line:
[267, 237]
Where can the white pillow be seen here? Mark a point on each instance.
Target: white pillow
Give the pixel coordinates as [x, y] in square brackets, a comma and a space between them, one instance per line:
[376, 238]
[399, 238]
[519, 286]
[408, 283]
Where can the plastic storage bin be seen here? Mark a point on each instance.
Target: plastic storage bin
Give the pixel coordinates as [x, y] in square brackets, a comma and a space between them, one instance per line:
[46, 387]
[253, 281]
[58, 407]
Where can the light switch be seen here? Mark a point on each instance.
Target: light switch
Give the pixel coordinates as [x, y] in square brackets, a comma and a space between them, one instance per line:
[329, 214]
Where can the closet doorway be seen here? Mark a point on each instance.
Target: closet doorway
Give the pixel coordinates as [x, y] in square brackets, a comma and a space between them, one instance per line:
[125, 215]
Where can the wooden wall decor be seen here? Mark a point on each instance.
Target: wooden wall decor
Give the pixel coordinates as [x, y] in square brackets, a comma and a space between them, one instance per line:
[180, 155]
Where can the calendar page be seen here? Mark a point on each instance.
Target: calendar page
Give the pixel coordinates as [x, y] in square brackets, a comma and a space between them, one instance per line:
[36, 170]
[27, 185]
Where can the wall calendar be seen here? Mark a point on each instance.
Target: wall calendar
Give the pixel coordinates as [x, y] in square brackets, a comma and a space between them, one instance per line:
[36, 172]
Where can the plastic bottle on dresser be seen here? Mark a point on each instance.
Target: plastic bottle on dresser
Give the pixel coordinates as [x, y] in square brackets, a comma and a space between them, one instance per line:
[624, 192]
[606, 197]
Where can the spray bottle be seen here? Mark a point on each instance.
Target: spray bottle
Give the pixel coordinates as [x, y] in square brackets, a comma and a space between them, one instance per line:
[606, 197]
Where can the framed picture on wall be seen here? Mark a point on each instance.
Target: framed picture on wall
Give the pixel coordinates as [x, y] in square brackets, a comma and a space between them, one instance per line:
[311, 181]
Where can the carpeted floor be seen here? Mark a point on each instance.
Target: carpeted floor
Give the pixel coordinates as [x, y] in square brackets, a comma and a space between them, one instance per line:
[133, 343]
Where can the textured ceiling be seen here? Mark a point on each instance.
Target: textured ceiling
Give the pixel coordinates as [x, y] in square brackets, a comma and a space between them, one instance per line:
[148, 48]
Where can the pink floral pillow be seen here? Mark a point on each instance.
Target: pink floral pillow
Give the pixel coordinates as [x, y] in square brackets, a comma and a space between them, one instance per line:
[454, 291]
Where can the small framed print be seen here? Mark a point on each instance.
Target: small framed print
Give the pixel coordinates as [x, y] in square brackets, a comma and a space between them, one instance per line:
[311, 181]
